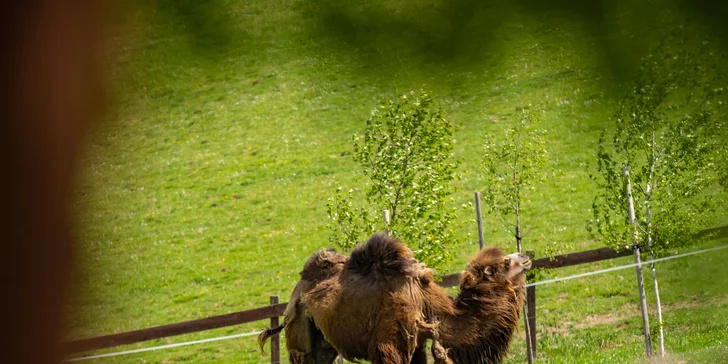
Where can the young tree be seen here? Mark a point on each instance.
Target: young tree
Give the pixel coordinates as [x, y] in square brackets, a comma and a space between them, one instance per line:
[406, 154]
[666, 132]
[511, 167]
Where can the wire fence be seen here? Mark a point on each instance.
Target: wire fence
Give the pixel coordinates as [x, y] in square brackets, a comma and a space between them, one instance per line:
[626, 266]
[548, 281]
[161, 347]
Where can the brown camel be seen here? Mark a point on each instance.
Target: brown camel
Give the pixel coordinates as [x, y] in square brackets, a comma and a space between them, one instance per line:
[384, 306]
[305, 343]
[477, 326]
[374, 309]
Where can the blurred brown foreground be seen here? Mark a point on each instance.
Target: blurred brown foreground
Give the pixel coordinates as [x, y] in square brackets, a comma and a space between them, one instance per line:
[51, 89]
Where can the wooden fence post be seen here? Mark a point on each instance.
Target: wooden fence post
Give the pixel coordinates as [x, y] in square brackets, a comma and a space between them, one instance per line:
[531, 304]
[531, 307]
[275, 340]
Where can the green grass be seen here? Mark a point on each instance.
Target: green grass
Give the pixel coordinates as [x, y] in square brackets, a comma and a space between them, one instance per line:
[597, 319]
[205, 190]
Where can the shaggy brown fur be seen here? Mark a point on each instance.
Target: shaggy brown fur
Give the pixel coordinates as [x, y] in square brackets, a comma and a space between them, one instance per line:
[305, 343]
[384, 305]
[477, 326]
[373, 309]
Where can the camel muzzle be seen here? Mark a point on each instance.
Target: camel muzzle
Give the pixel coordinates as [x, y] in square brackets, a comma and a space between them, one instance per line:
[523, 260]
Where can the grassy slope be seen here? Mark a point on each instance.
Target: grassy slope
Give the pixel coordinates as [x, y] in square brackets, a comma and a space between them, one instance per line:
[206, 190]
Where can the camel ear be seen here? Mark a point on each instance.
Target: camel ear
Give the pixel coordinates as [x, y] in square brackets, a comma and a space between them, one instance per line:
[488, 271]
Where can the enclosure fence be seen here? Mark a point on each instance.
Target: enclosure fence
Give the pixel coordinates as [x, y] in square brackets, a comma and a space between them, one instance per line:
[275, 309]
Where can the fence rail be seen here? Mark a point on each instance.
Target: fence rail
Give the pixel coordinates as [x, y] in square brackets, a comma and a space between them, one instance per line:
[276, 310]
[186, 327]
[565, 260]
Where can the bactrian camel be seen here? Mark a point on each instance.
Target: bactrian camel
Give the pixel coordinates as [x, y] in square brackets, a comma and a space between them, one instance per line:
[382, 305]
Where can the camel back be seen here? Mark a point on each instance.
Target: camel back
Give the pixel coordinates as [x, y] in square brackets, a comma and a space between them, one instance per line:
[383, 255]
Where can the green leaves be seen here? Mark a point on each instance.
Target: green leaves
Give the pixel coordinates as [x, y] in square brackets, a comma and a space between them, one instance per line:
[513, 165]
[667, 131]
[348, 223]
[406, 154]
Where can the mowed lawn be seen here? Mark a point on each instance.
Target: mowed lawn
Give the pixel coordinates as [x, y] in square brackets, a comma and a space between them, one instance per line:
[205, 190]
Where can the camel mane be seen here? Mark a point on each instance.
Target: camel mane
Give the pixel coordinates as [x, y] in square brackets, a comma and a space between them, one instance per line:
[484, 287]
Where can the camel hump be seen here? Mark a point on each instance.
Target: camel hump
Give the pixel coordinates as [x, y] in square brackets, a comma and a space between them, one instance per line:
[322, 265]
[382, 254]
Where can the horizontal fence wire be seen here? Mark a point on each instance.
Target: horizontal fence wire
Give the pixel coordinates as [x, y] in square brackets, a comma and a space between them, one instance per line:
[627, 266]
[548, 281]
[169, 346]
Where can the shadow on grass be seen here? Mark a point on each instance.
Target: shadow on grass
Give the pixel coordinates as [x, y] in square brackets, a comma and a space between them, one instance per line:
[464, 32]
[718, 232]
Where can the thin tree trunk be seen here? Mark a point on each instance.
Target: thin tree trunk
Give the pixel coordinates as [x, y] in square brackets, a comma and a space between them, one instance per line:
[638, 268]
[648, 191]
[516, 208]
[519, 238]
[529, 348]
[659, 305]
[386, 221]
[479, 217]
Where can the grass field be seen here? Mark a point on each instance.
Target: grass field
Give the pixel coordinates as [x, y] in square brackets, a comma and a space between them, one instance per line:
[205, 190]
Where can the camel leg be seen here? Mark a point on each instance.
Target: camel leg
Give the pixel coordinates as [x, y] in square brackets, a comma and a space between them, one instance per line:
[321, 352]
[319, 356]
[296, 357]
[420, 354]
[396, 348]
[439, 353]
[388, 354]
[324, 355]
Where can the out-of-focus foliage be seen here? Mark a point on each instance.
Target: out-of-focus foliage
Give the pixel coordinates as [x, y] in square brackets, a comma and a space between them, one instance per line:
[443, 32]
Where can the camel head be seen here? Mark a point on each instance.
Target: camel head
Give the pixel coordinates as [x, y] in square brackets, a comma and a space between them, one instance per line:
[490, 265]
[515, 264]
[492, 289]
[323, 264]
